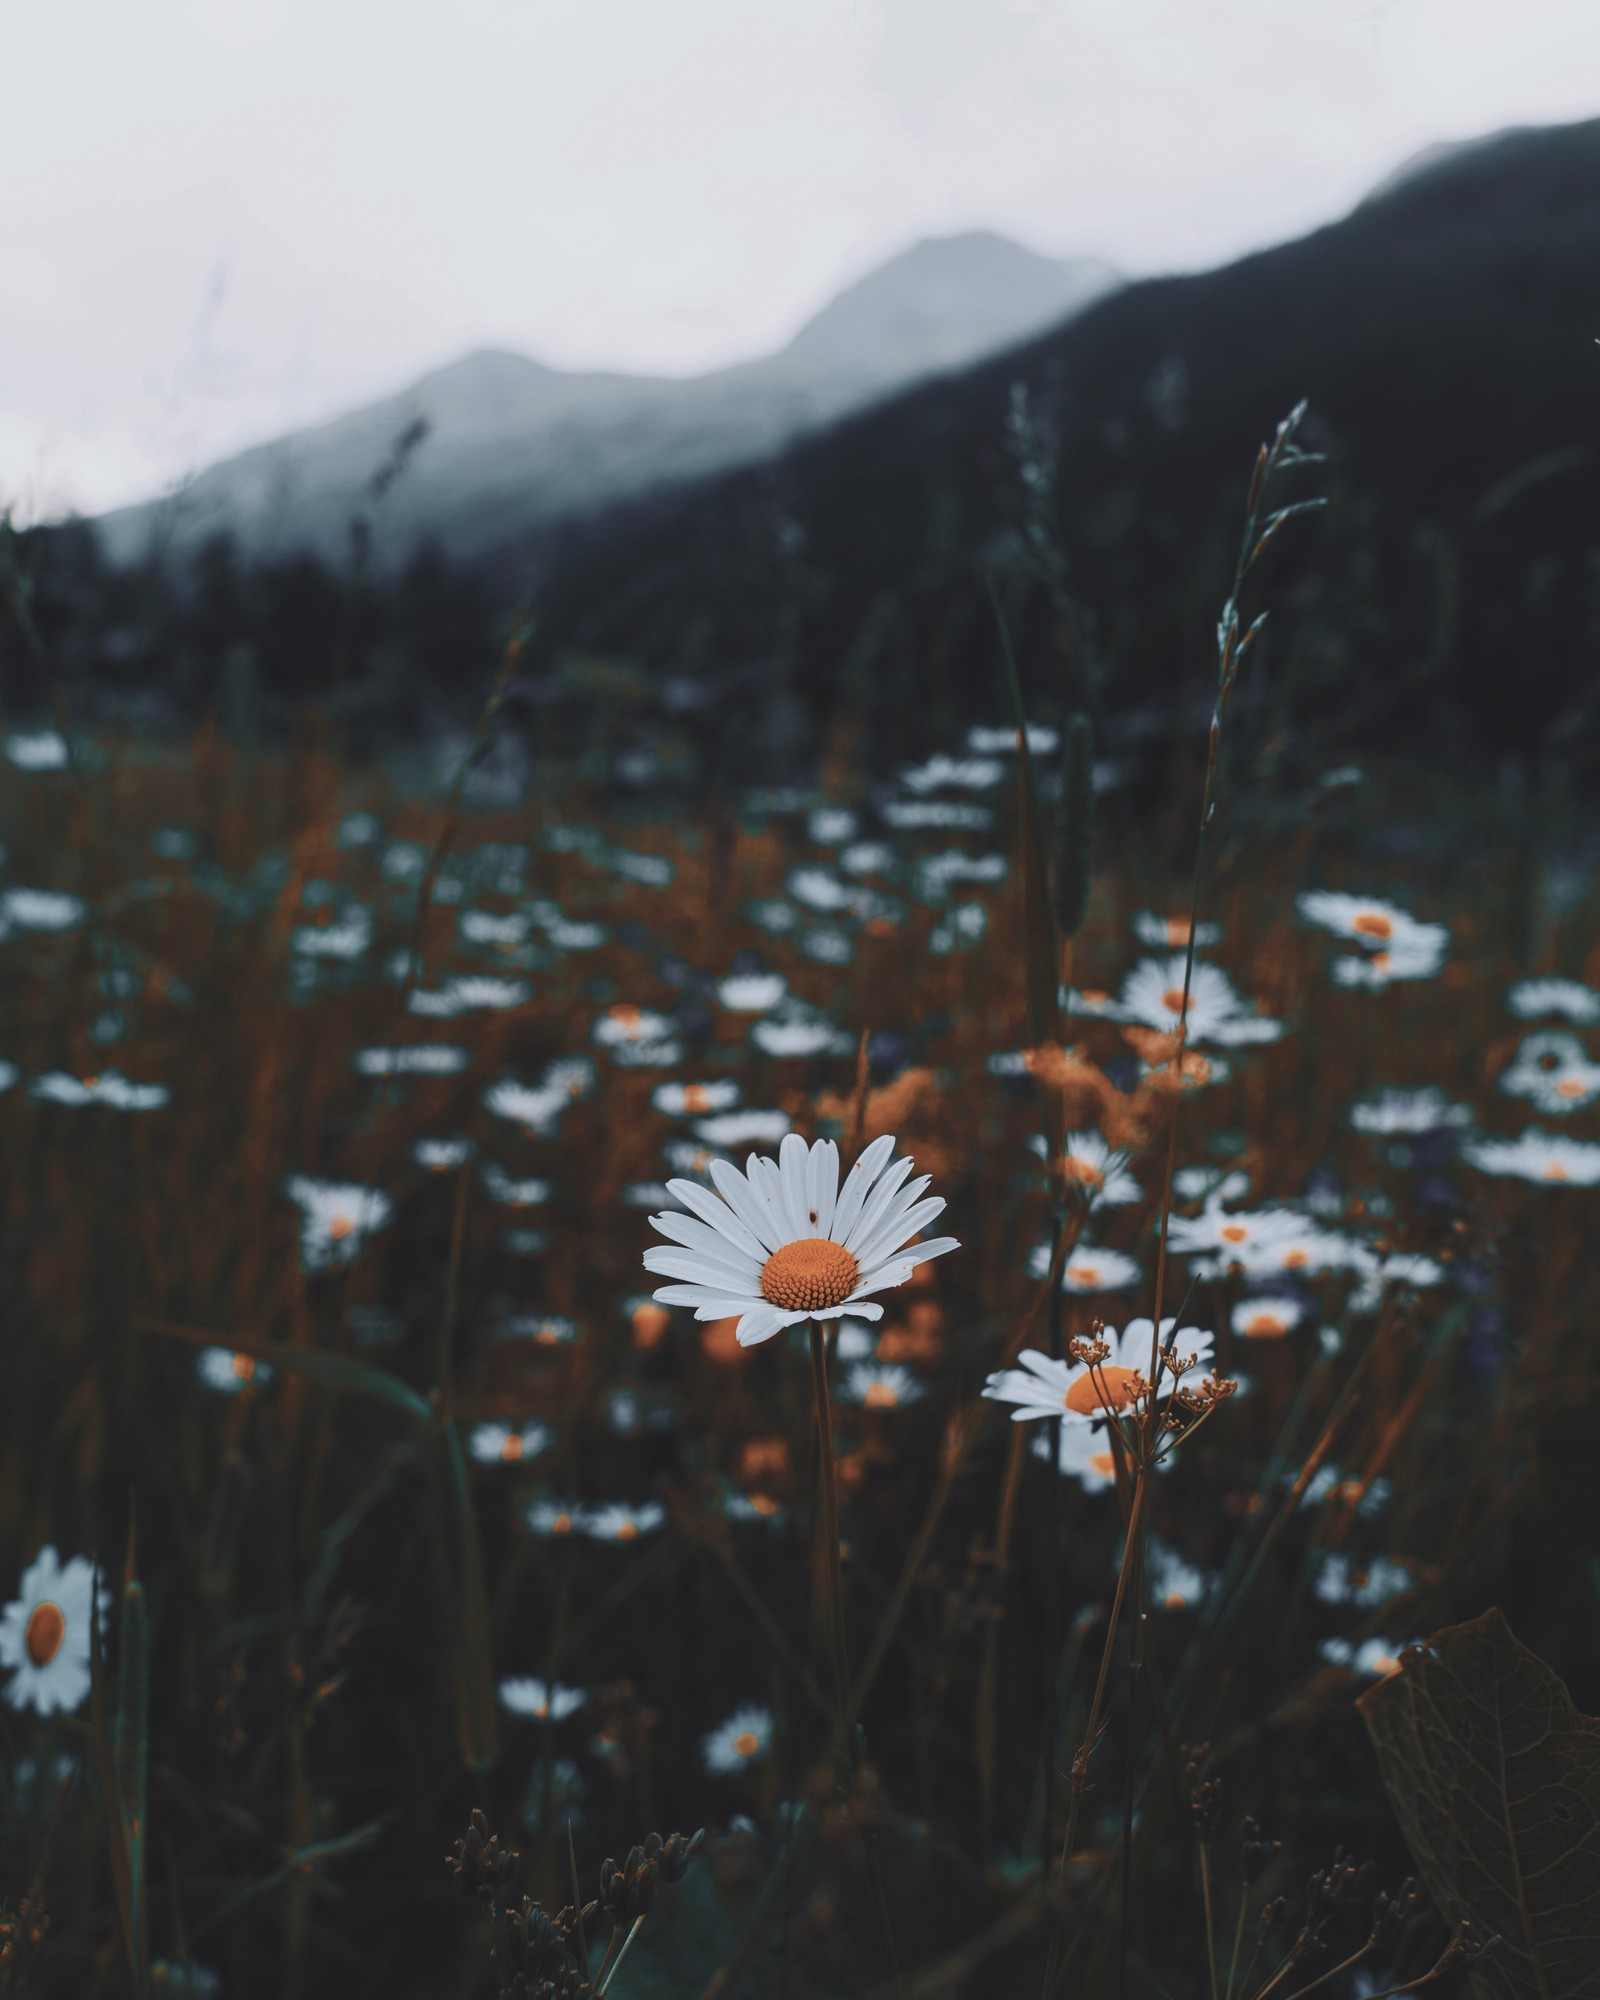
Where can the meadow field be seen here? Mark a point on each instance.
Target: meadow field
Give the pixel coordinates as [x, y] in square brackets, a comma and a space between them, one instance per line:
[437, 1564]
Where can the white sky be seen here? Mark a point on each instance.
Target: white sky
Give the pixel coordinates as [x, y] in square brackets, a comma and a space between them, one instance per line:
[221, 218]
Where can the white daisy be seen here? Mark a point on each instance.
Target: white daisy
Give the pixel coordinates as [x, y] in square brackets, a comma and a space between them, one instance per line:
[694, 1100]
[1532, 998]
[880, 1386]
[1152, 996]
[441, 1156]
[424, 1059]
[1261, 1242]
[1003, 742]
[808, 1037]
[514, 1193]
[1408, 1111]
[616, 1521]
[787, 1243]
[1537, 1156]
[752, 992]
[1044, 1387]
[1173, 932]
[509, 1444]
[1267, 1316]
[1553, 1071]
[1340, 1581]
[538, 1107]
[1173, 1584]
[1085, 1455]
[348, 938]
[1412, 958]
[744, 1128]
[624, 1025]
[555, 1519]
[1095, 1169]
[906, 813]
[44, 1634]
[1090, 1268]
[545, 1701]
[220, 1368]
[40, 909]
[1377, 1274]
[1373, 1659]
[744, 1739]
[335, 1216]
[36, 750]
[111, 1089]
[1367, 921]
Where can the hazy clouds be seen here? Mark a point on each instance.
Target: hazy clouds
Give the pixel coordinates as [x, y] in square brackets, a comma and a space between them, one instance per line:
[222, 217]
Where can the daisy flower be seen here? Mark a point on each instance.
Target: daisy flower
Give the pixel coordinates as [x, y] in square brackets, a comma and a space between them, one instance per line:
[555, 1520]
[786, 1243]
[1413, 958]
[753, 993]
[220, 1368]
[799, 1038]
[111, 1089]
[1530, 999]
[880, 1386]
[44, 1634]
[36, 750]
[538, 1107]
[1553, 1071]
[1095, 1169]
[346, 939]
[1152, 997]
[1408, 1112]
[464, 995]
[334, 1217]
[1377, 1274]
[694, 1100]
[1269, 1316]
[1340, 1581]
[482, 927]
[543, 1329]
[744, 1739]
[829, 825]
[1173, 1584]
[1366, 921]
[425, 1059]
[1373, 1659]
[545, 1701]
[1259, 1242]
[40, 909]
[1085, 1455]
[441, 1156]
[854, 1340]
[1003, 742]
[1537, 1156]
[744, 1128]
[911, 813]
[1173, 932]
[509, 1444]
[616, 1521]
[1090, 1268]
[1044, 1387]
[626, 1026]
[503, 1187]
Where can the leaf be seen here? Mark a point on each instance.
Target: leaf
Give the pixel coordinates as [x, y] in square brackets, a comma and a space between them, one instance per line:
[1495, 1779]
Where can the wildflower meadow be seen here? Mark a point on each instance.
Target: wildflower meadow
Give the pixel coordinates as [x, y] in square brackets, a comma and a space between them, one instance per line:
[969, 1380]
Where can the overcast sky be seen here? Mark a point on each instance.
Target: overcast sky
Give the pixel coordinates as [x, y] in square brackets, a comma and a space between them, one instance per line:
[221, 218]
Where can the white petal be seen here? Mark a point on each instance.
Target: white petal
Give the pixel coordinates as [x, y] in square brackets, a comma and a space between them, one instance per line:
[794, 1169]
[899, 1227]
[761, 1323]
[884, 1279]
[878, 1203]
[700, 1201]
[857, 1182]
[936, 1246]
[869, 1231]
[742, 1198]
[822, 1185]
[701, 1295]
[694, 1269]
[767, 1183]
[851, 1309]
[698, 1236]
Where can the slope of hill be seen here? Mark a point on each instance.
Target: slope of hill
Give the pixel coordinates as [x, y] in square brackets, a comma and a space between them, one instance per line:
[512, 445]
[1444, 333]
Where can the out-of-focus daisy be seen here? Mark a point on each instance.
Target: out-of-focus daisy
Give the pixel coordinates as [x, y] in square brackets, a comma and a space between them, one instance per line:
[973, 774]
[441, 1156]
[744, 1128]
[111, 1089]
[1553, 1071]
[1330, 1484]
[616, 1521]
[1409, 1112]
[695, 1100]
[544, 1701]
[1152, 997]
[555, 1519]
[828, 945]
[867, 857]
[227, 1372]
[1268, 1316]
[542, 1329]
[1172, 933]
[854, 1340]
[465, 995]
[752, 992]
[786, 1243]
[1043, 1387]
[1413, 958]
[1373, 1659]
[1537, 1156]
[625, 1026]
[44, 1634]
[509, 1444]
[36, 750]
[335, 1217]
[818, 890]
[1086, 1454]
[425, 1059]
[880, 1386]
[483, 927]
[632, 1412]
[538, 1107]
[1259, 1242]
[1090, 1268]
[1367, 921]
[944, 813]
[1003, 742]
[348, 937]
[1341, 1581]
[689, 1156]
[799, 1037]
[1404, 1269]
[829, 825]
[1097, 1170]
[512, 1192]
[40, 909]
[1171, 1581]
[744, 1739]
[1531, 999]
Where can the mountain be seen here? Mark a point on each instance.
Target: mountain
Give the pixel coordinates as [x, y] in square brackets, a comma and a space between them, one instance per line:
[511, 445]
[1446, 600]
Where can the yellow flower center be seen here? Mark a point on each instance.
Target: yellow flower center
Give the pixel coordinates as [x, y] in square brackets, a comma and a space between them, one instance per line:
[1295, 1260]
[1106, 1388]
[1233, 1232]
[1172, 999]
[1370, 924]
[1570, 1086]
[1082, 1173]
[561, 1525]
[747, 1743]
[244, 1366]
[626, 1531]
[880, 1396]
[512, 1448]
[47, 1628]
[696, 1097]
[1265, 1326]
[340, 1227]
[809, 1275]
[1556, 1172]
[1177, 930]
[1103, 1463]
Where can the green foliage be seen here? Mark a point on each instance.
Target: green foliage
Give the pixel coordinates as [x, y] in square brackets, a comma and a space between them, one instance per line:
[1495, 1777]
